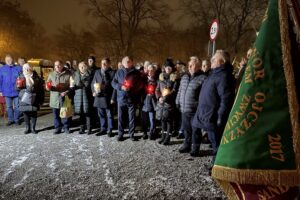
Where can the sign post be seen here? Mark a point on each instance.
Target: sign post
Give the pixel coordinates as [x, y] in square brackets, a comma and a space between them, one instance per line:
[214, 29]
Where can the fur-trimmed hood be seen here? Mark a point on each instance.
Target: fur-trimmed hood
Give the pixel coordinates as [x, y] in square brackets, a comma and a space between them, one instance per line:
[173, 76]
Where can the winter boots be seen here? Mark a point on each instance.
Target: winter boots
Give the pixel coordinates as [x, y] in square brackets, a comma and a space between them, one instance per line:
[81, 130]
[195, 150]
[30, 127]
[165, 138]
[185, 148]
[145, 136]
[33, 123]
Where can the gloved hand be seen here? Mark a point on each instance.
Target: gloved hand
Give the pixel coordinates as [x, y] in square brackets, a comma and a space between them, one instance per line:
[161, 100]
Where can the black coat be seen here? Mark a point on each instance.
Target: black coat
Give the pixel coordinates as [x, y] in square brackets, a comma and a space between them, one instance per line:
[165, 110]
[37, 90]
[102, 100]
[150, 100]
[189, 91]
[83, 98]
[215, 100]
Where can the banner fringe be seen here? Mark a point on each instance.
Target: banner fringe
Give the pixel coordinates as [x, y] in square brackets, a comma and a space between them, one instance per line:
[228, 189]
[257, 177]
[289, 76]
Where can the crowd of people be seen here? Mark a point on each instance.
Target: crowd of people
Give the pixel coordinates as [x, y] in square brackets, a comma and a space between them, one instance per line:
[186, 100]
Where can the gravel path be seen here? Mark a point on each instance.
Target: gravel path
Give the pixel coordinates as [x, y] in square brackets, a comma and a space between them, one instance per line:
[47, 166]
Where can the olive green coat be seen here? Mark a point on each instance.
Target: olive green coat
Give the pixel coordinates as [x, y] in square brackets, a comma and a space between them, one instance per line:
[58, 78]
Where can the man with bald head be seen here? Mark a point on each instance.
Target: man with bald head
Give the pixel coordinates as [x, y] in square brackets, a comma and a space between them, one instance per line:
[124, 83]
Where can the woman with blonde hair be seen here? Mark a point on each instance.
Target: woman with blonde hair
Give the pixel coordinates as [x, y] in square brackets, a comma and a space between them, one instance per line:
[31, 97]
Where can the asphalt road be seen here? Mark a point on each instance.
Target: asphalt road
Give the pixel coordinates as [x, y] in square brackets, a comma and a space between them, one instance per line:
[47, 166]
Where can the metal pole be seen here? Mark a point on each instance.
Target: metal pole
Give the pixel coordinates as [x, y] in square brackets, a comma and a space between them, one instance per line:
[208, 48]
[214, 47]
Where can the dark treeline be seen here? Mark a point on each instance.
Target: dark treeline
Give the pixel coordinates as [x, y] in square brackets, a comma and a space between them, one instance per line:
[141, 28]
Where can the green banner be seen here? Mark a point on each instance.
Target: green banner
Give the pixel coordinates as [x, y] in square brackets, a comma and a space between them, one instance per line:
[257, 143]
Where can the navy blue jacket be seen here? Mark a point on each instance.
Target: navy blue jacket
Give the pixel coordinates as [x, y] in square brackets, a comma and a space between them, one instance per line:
[8, 77]
[133, 76]
[215, 100]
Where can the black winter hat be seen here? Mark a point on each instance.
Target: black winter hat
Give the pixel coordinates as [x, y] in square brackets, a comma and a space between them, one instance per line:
[169, 63]
[93, 58]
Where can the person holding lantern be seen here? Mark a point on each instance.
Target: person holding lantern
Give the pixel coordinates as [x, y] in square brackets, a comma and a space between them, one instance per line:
[103, 92]
[166, 91]
[31, 97]
[58, 83]
[9, 81]
[83, 99]
[128, 84]
[148, 110]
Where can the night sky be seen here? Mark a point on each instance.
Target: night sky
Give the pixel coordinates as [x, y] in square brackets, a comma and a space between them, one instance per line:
[55, 13]
[52, 14]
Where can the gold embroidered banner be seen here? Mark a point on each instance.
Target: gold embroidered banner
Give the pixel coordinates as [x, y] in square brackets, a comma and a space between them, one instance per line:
[260, 144]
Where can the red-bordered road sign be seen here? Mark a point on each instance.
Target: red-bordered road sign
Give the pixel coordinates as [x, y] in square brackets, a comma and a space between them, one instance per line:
[214, 29]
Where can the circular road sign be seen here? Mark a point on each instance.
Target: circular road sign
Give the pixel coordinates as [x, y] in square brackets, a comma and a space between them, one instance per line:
[214, 29]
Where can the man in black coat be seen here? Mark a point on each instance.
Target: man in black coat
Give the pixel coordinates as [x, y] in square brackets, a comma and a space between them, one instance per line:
[215, 102]
[102, 91]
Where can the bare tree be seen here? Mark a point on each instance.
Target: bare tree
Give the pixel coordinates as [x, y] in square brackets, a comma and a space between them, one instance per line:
[71, 44]
[125, 19]
[238, 19]
[20, 35]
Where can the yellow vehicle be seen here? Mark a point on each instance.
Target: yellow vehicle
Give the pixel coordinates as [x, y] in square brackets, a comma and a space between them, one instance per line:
[41, 66]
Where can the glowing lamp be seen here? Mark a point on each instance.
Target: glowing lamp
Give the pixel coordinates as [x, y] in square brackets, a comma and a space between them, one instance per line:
[97, 87]
[49, 85]
[72, 82]
[150, 89]
[127, 84]
[20, 82]
[165, 92]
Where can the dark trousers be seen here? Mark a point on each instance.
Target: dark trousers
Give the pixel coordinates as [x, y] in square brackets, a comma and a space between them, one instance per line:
[189, 131]
[215, 139]
[177, 121]
[126, 112]
[85, 121]
[30, 117]
[59, 122]
[148, 120]
[196, 138]
[166, 125]
[106, 118]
